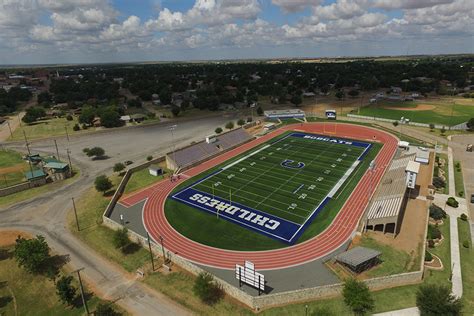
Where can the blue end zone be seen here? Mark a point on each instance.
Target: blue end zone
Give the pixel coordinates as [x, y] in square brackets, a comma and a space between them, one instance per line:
[261, 222]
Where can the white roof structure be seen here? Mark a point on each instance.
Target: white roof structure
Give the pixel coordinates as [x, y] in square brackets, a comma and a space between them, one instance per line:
[403, 144]
[389, 197]
[413, 167]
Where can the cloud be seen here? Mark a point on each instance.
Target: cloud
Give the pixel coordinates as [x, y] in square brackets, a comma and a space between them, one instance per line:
[295, 5]
[408, 4]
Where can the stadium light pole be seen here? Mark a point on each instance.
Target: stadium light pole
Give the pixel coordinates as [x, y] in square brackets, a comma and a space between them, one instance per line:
[10, 128]
[151, 253]
[171, 129]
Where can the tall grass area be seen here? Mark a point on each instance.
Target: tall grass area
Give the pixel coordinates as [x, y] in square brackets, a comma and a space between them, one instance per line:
[467, 265]
[89, 212]
[141, 179]
[458, 179]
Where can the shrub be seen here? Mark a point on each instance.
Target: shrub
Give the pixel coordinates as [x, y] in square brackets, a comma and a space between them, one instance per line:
[433, 232]
[229, 125]
[463, 217]
[76, 127]
[149, 158]
[452, 202]
[432, 127]
[102, 184]
[436, 212]
[85, 150]
[119, 167]
[431, 243]
[65, 290]
[84, 126]
[218, 130]
[466, 244]
[438, 182]
[428, 256]
[461, 193]
[104, 309]
[69, 117]
[207, 289]
[395, 123]
[240, 122]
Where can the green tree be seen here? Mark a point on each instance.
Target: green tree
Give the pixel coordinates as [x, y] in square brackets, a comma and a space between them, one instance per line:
[76, 127]
[97, 152]
[296, 100]
[106, 309]
[260, 111]
[470, 124]
[120, 238]
[175, 110]
[33, 114]
[32, 254]
[110, 118]
[241, 122]
[229, 125]
[340, 94]
[432, 127]
[102, 184]
[206, 289]
[119, 167]
[357, 296]
[218, 130]
[165, 96]
[443, 130]
[433, 299]
[65, 290]
[395, 123]
[87, 115]
[149, 158]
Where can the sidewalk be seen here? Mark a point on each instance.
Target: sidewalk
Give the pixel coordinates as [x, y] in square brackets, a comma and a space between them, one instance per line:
[412, 311]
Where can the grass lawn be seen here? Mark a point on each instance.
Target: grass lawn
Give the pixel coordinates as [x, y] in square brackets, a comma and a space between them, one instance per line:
[9, 158]
[47, 128]
[140, 180]
[443, 251]
[458, 179]
[445, 190]
[12, 168]
[31, 193]
[467, 265]
[393, 261]
[440, 114]
[188, 220]
[22, 293]
[89, 211]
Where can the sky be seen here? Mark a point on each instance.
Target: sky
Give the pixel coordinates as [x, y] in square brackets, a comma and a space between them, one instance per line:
[96, 31]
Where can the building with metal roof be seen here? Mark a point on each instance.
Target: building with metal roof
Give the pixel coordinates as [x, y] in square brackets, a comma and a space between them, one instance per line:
[35, 174]
[389, 201]
[359, 259]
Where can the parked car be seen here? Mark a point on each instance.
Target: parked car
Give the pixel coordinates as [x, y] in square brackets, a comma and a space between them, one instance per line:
[472, 198]
[128, 162]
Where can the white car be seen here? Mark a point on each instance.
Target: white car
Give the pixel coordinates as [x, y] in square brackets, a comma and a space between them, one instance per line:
[423, 148]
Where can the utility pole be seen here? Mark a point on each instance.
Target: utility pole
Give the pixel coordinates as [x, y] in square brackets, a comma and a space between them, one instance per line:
[67, 134]
[75, 214]
[9, 127]
[57, 151]
[29, 153]
[151, 253]
[84, 302]
[163, 248]
[70, 164]
[171, 129]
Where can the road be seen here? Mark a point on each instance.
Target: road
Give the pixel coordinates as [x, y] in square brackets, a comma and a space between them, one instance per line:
[47, 214]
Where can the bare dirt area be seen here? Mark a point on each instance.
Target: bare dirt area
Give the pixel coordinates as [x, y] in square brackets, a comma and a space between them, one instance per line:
[16, 168]
[412, 232]
[419, 107]
[8, 237]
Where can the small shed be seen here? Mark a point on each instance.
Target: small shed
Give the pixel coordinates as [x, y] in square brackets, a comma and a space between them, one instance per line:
[423, 157]
[155, 170]
[37, 177]
[359, 259]
[137, 117]
[57, 170]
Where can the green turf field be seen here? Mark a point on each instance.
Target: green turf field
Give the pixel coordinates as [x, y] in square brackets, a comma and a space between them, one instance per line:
[259, 180]
[189, 221]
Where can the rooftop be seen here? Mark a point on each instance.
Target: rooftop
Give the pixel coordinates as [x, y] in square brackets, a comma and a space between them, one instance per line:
[56, 165]
[38, 173]
[357, 256]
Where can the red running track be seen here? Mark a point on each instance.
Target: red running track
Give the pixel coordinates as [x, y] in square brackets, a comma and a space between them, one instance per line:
[340, 230]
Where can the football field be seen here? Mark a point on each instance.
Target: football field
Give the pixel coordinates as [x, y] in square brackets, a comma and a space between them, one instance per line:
[280, 187]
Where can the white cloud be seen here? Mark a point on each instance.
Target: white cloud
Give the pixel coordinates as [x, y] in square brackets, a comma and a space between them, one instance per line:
[407, 4]
[295, 5]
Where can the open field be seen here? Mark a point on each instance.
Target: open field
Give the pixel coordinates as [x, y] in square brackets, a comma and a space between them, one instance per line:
[188, 220]
[89, 212]
[48, 128]
[467, 265]
[442, 111]
[12, 168]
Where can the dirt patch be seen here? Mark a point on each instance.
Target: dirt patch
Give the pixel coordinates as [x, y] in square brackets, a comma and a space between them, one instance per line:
[16, 168]
[8, 237]
[419, 107]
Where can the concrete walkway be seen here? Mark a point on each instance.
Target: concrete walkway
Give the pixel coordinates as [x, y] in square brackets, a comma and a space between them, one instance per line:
[452, 185]
[412, 311]
[453, 214]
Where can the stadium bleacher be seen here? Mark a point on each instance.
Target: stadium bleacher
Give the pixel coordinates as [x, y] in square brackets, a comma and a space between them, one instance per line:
[197, 152]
